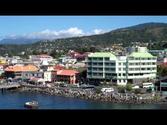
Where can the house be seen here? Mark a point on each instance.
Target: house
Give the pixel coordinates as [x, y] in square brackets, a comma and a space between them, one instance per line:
[67, 59]
[49, 76]
[20, 70]
[69, 76]
[41, 58]
[77, 55]
[134, 67]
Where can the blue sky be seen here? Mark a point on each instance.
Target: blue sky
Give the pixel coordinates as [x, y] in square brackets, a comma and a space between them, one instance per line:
[60, 26]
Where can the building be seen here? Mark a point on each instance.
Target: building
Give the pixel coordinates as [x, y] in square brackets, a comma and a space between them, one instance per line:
[68, 76]
[67, 59]
[134, 67]
[20, 70]
[41, 58]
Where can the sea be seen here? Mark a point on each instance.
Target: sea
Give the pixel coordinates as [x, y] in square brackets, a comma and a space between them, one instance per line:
[16, 100]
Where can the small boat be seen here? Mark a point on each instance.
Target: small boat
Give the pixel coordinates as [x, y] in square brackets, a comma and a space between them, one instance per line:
[31, 105]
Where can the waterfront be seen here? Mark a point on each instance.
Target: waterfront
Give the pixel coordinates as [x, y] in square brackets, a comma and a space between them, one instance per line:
[16, 100]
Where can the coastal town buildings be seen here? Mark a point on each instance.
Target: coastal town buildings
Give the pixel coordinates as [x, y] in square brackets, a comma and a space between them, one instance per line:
[133, 67]
[20, 71]
[67, 76]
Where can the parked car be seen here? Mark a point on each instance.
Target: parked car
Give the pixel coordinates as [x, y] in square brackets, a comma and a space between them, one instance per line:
[107, 89]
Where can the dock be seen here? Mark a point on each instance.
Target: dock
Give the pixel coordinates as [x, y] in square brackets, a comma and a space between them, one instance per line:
[9, 86]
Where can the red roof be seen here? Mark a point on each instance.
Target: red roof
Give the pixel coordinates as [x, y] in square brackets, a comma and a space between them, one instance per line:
[18, 68]
[58, 67]
[66, 72]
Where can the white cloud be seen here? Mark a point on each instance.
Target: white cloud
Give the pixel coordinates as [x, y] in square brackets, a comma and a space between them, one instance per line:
[53, 34]
[98, 31]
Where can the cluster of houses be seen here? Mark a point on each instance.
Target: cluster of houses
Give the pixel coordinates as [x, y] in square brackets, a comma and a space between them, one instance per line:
[43, 68]
[134, 66]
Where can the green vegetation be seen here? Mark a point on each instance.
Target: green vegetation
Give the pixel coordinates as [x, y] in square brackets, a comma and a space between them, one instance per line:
[121, 89]
[162, 70]
[137, 91]
[155, 34]
[129, 87]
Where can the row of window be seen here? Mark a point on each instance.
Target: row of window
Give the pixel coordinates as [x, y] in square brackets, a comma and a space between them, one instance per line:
[137, 69]
[132, 58]
[146, 63]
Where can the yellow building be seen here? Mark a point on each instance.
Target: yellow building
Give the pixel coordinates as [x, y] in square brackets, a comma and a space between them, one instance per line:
[2, 61]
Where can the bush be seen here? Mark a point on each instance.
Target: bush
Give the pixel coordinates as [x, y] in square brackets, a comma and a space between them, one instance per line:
[121, 89]
[137, 91]
[98, 91]
[129, 87]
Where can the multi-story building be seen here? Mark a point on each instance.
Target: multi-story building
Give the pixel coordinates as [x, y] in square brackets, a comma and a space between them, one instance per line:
[134, 67]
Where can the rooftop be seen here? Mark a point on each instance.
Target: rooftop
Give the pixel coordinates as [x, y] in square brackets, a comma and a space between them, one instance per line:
[102, 54]
[20, 68]
[141, 54]
[66, 72]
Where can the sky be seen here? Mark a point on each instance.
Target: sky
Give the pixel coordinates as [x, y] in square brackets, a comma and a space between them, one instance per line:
[51, 27]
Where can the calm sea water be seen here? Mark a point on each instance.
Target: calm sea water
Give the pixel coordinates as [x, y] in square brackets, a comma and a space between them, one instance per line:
[16, 100]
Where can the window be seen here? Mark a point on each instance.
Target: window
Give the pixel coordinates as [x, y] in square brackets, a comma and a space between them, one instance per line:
[100, 64]
[100, 69]
[154, 63]
[112, 64]
[94, 68]
[124, 74]
[107, 69]
[112, 69]
[124, 64]
[100, 59]
[94, 58]
[94, 63]
[131, 64]
[137, 69]
[119, 63]
[119, 69]
[107, 59]
[107, 64]
[124, 69]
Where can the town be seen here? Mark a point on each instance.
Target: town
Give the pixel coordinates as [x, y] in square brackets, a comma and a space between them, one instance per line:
[116, 74]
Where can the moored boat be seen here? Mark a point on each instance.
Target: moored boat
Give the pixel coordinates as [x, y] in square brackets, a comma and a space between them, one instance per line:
[31, 105]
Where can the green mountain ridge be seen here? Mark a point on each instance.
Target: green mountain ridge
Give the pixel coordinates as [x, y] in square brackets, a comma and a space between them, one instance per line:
[154, 33]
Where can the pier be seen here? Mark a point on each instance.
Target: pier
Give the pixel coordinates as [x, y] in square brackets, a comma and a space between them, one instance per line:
[9, 86]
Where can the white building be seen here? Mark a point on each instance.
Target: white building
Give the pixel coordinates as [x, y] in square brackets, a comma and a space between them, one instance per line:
[41, 58]
[67, 59]
[134, 67]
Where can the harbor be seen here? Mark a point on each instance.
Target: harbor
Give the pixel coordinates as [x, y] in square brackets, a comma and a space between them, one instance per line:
[16, 100]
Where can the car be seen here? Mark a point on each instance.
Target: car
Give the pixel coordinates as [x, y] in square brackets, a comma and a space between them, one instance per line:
[107, 89]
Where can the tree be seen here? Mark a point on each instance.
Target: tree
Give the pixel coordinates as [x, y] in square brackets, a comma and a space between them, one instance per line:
[137, 91]
[121, 89]
[129, 87]
[162, 70]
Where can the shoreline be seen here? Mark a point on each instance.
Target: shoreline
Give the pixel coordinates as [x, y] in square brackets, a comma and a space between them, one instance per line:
[88, 95]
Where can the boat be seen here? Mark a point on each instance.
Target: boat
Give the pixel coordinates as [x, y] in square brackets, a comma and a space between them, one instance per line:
[31, 105]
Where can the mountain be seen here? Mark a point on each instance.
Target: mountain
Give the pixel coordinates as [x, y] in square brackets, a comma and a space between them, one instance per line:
[153, 33]
[18, 41]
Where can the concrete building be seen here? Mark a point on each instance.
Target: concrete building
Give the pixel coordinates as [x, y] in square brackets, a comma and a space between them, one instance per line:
[134, 67]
